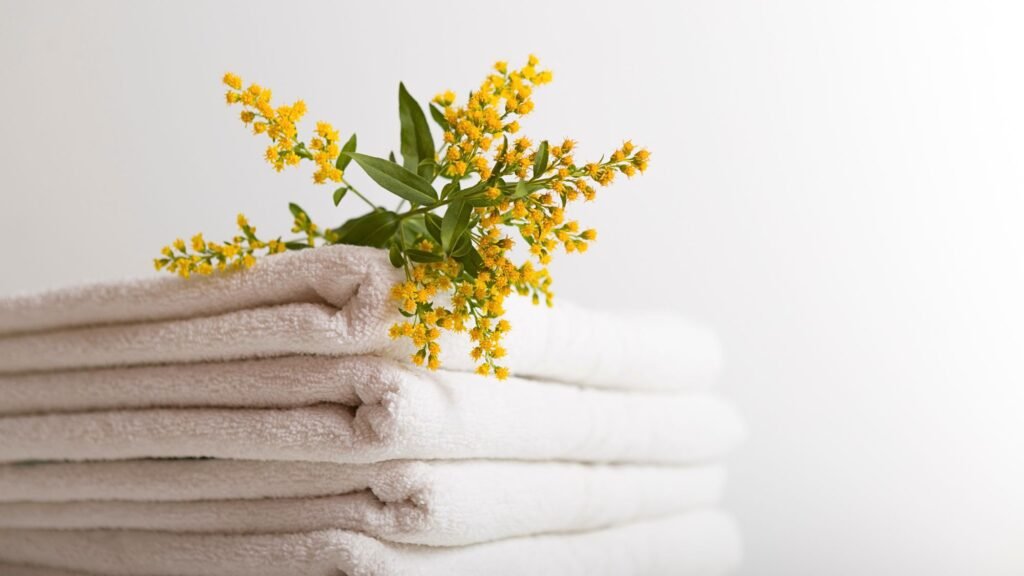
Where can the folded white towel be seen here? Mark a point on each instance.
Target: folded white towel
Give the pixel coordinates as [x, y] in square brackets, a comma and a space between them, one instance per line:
[331, 301]
[294, 381]
[441, 503]
[364, 409]
[697, 544]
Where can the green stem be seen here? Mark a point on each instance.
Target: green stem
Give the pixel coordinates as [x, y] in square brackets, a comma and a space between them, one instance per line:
[357, 193]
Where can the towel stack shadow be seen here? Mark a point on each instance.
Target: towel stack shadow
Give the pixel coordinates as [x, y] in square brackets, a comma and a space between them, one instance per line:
[263, 424]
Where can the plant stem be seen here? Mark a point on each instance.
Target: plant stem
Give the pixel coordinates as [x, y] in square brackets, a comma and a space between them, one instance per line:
[357, 193]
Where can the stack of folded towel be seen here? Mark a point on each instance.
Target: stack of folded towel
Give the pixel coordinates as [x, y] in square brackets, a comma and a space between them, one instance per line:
[263, 423]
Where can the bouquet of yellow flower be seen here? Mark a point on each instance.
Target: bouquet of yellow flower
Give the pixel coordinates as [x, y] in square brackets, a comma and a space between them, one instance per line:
[451, 237]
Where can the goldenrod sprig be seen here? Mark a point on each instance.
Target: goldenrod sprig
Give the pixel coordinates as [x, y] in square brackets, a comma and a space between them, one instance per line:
[452, 239]
[205, 257]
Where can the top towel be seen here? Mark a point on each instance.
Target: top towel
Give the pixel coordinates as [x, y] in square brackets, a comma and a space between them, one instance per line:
[332, 301]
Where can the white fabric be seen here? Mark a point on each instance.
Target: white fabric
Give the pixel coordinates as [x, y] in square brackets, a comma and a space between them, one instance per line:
[435, 503]
[288, 382]
[379, 411]
[701, 543]
[330, 301]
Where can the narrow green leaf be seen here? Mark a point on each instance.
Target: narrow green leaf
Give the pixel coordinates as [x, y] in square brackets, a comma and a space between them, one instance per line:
[433, 222]
[391, 157]
[417, 143]
[423, 256]
[426, 169]
[340, 193]
[462, 193]
[395, 255]
[296, 245]
[438, 117]
[450, 188]
[524, 189]
[456, 218]
[343, 160]
[483, 201]
[521, 190]
[373, 229]
[540, 162]
[462, 246]
[472, 262]
[297, 210]
[473, 197]
[414, 228]
[395, 179]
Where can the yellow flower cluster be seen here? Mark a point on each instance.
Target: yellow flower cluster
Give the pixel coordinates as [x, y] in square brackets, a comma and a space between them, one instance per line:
[472, 128]
[477, 302]
[306, 226]
[279, 124]
[478, 299]
[325, 153]
[206, 257]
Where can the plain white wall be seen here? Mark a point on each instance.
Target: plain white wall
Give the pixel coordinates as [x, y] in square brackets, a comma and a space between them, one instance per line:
[835, 185]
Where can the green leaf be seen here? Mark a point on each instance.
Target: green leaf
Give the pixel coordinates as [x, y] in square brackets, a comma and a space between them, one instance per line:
[499, 166]
[438, 117]
[450, 188]
[456, 218]
[414, 228]
[297, 210]
[472, 197]
[540, 161]
[395, 255]
[417, 143]
[522, 190]
[343, 160]
[483, 201]
[296, 245]
[462, 246]
[301, 151]
[373, 229]
[391, 157]
[423, 256]
[395, 179]
[339, 194]
[472, 262]
[433, 222]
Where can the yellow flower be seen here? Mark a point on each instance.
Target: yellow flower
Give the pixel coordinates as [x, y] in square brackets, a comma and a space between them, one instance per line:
[233, 81]
[446, 99]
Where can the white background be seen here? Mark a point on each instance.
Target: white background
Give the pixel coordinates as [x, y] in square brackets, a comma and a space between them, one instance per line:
[836, 186]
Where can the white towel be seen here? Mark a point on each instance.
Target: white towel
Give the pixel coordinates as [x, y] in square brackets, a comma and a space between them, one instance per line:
[293, 381]
[331, 301]
[697, 544]
[533, 423]
[440, 503]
